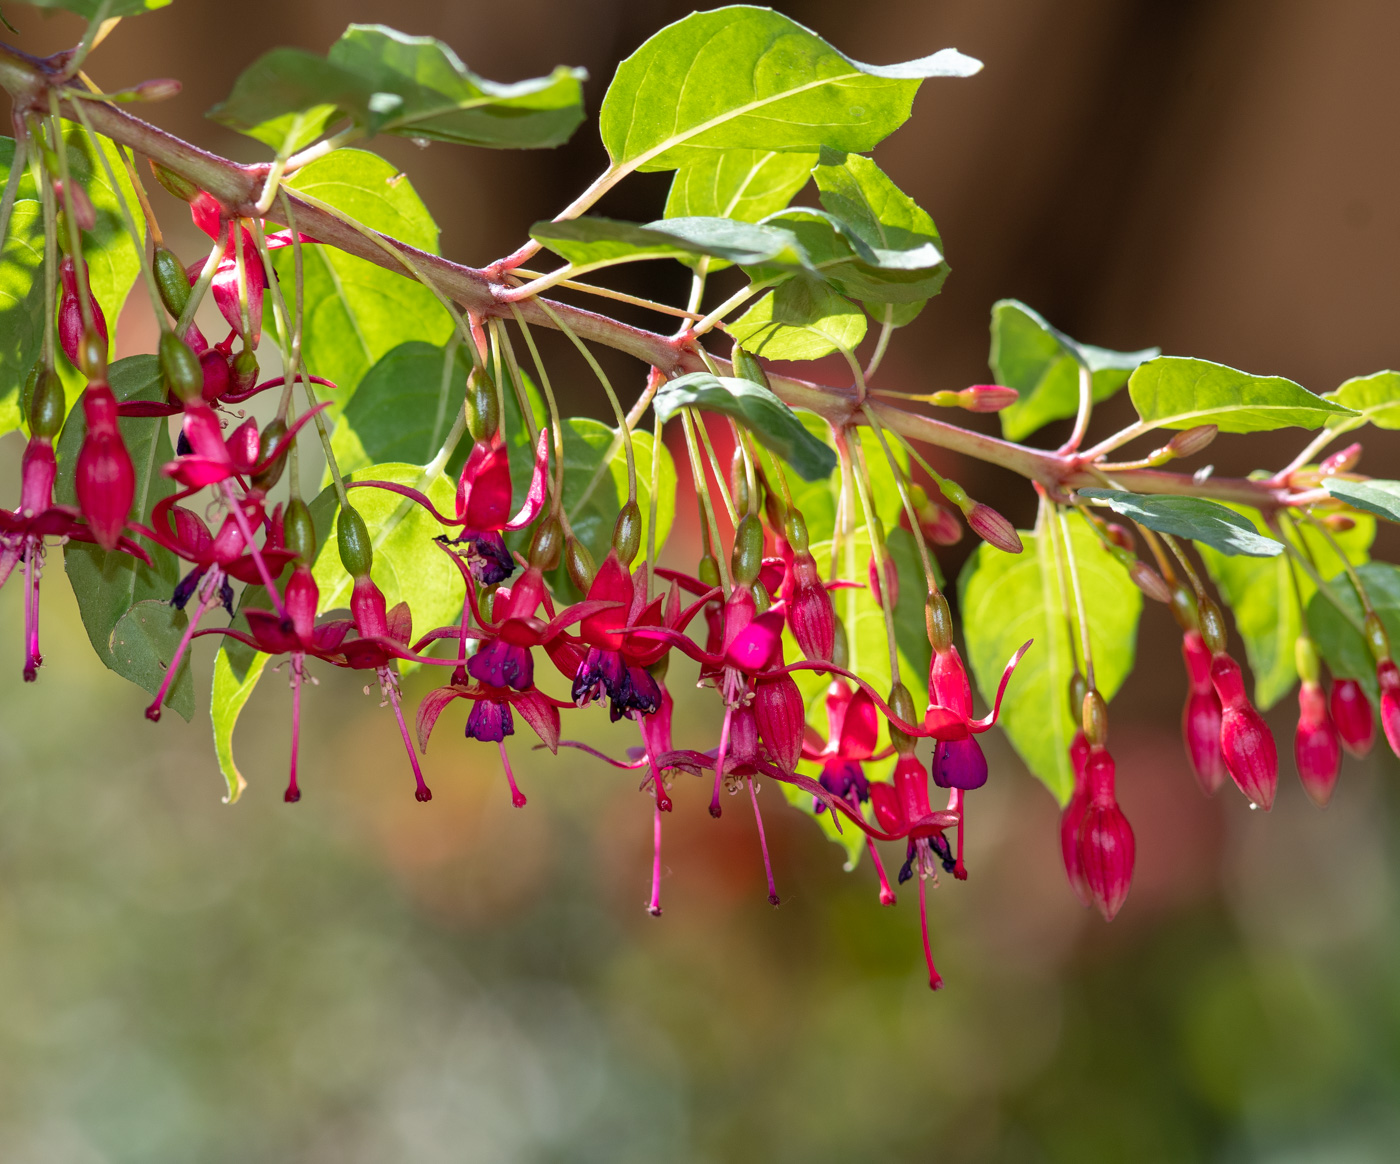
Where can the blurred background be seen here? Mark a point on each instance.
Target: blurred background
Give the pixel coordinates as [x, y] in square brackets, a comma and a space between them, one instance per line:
[362, 978]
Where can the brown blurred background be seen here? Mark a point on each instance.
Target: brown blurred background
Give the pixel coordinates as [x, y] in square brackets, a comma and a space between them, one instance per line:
[360, 979]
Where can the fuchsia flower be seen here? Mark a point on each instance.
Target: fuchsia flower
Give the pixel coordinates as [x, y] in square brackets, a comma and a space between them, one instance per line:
[1251, 757]
[70, 313]
[104, 478]
[1388, 676]
[958, 760]
[1317, 747]
[1105, 843]
[1200, 718]
[1351, 712]
[1073, 816]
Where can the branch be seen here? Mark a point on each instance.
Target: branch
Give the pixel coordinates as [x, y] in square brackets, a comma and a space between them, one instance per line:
[482, 291]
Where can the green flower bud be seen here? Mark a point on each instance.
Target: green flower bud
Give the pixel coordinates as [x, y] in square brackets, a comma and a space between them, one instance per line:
[747, 558]
[180, 368]
[547, 544]
[275, 431]
[1095, 712]
[747, 367]
[579, 563]
[170, 278]
[352, 537]
[299, 532]
[627, 533]
[48, 405]
[483, 409]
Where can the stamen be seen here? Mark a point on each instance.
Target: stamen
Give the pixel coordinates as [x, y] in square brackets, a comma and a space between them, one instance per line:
[32, 658]
[720, 756]
[956, 804]
[763, 844]
[208, 596]
[517, 797]
[293, 793]
[655, 907]
[935, 980]
[391, 691]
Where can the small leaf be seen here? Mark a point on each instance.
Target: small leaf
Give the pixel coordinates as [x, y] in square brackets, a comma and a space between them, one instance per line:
[1263, 599]
[1339, 643]
[1375, 397]
[1009, 598]
[354, 311]
[749, 78]
[403, 409]
[1174, 392]
[744, 184]
[767, 417]
[595, 242]
[286, 98]
[1190, 517]
[230, 693]
[1379, 497]
[801, 320]
[109, 585]
[1042, 364]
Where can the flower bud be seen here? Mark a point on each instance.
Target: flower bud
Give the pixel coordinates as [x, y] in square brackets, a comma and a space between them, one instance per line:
[1095, 719]
[1389, 678]
[181, 369]
[156, 89]
[781, 719]
[546, 544]
[1073, 816]
[891, 581]
[171, 281]
[627, 533]
[1200, 718]
[739, 481]
[243, 371]
[902, 704]
[81, 205]
[747, 367]
[1339, 522]
[1120, 536]
[795, 531]
[811, 615]
[47, 404]
[1342, 461]
[579, 564]
[987, 398]
[1190, 441]
[939, 524]
[1317, 748]
[483, 409]
[182, 188]
[1107, 848]
[1212, 625]
[1351, 712]
[1251, 757]
[353, 540]
[747, 558]
[1151, 583]
[274, 434]
[299, 531]
[938, 621]
[103, 476]
[993, 529]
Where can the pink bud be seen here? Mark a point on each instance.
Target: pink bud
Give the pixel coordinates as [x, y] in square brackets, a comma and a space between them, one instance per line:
[70, 314]
[1351, 712]
[157, 89]
[781, 718]
[987, 398]
[1192, 440]
[1107, 849]
[103, 476]
[1120, 535]
[1200, 718]
[941, 526]
[993, 529]
[1073, 816]
[810, 614]
[1342, 461]
[300, 599]
[1389, 677]
[1151, 583]
[1251, 757]
[1317, 749]
[891, 574]
[83, 213]
[368, 608]
[37, 473]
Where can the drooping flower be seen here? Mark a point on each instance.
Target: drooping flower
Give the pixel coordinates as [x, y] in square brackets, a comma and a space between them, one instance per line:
[1073, 816]
[104, 478]
[1351, 712]
[1107, 848]
[1317, 747]
[1251, 756]
[1200, 718]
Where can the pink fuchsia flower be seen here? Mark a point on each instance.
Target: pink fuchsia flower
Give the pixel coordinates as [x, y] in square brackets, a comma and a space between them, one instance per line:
[1351, 712]
[1073, 816]
[1200, 718]
[1388, 676]
[958, 759]
[1251, 756]
[1107, 849]
[70, 314]
[1317, 747]
[104, 478]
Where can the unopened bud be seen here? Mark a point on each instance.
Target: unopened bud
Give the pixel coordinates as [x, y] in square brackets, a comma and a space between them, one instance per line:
[1095, 717]
[1317, 748]
[1339, 522]
[547, 544]
[1376, 637]
[747, 367]
[74, 198]
[1251, 757]
[987, 398]
[993, 529]
[274, 434]
[352, 537]
[708, 571]
[171, 281]
[579, 564]
[1146, 579]
[902, 704]
[627, 533]
[157, 89]
[747, 558]
[299, 531]
[938, 621]
[1351, 712]
[47, 404]
[243, 371]
[1341, 462]
[1120, 535]
[182, 188]
[795, 531]
[180, 368]
[1212, 624]
[483, 409]
[739, 481]
[1191, 441]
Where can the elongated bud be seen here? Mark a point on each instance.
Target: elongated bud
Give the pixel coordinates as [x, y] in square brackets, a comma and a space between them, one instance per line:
[739, 482]
[1376, 638]
[1343, 461]
[938, 621]
[1073, 816]
[811, 615]
[781, 718]
[299, 531]
[940, 525]
[1389, 678]
[1251, 756]
[902, 704]
[579, 563]
[747, 367]
[1107, 848]
[103, 477]
[180, 368]
[987, 398]
[353, 541]
[1120, 536]
[1184, 608]
[708, 570]
[1095, 716]
[182, 188]
[627, 533]
[1200, 718]
[483, 409]
[1339, 522]
[547, 544]
[83, 213]
[1317, 748]
[47, 404]
[1212, 625]
[1351, 712]
[1151, 583]
[993, 529]
[171, 281]
[156, 89]
[243, 372]
[1190, 441]
[795, 531]
[747, 558]
[274, 433]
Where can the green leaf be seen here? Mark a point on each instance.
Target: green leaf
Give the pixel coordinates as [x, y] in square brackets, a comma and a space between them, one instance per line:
[110, 586]
[749, 78]
[418, 87]
[112, 267]
[1190, 517]
[597, 242]
[767, 417]
[1262, 597]
[899, 234]
[1008, 598]
[801, 320]
[1174, 392]
[1338, 642]
[230, 693]
[388, 82]
[593, 499]
[744, 184]
[1375, 397]
[356, 312]
[108, 8]
[1379, 497]
[403, 408]
[1042, 364]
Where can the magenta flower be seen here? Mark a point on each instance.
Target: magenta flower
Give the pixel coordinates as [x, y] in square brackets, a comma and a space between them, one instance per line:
[1351, 712]
[1201, 717]
[1317, 747]
[1106, 845]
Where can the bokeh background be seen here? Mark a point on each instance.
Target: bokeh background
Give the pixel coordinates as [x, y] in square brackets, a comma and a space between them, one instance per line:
[362, 978]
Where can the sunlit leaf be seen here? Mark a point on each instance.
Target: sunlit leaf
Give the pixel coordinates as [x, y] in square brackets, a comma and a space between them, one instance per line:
[745, 184]
[1375, 397]
[590, 242]
[1173, 392]
[1379, 497]
[801, 320]
[1190, 517]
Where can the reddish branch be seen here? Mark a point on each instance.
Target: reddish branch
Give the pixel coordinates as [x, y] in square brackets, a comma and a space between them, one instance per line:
[481, 290]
